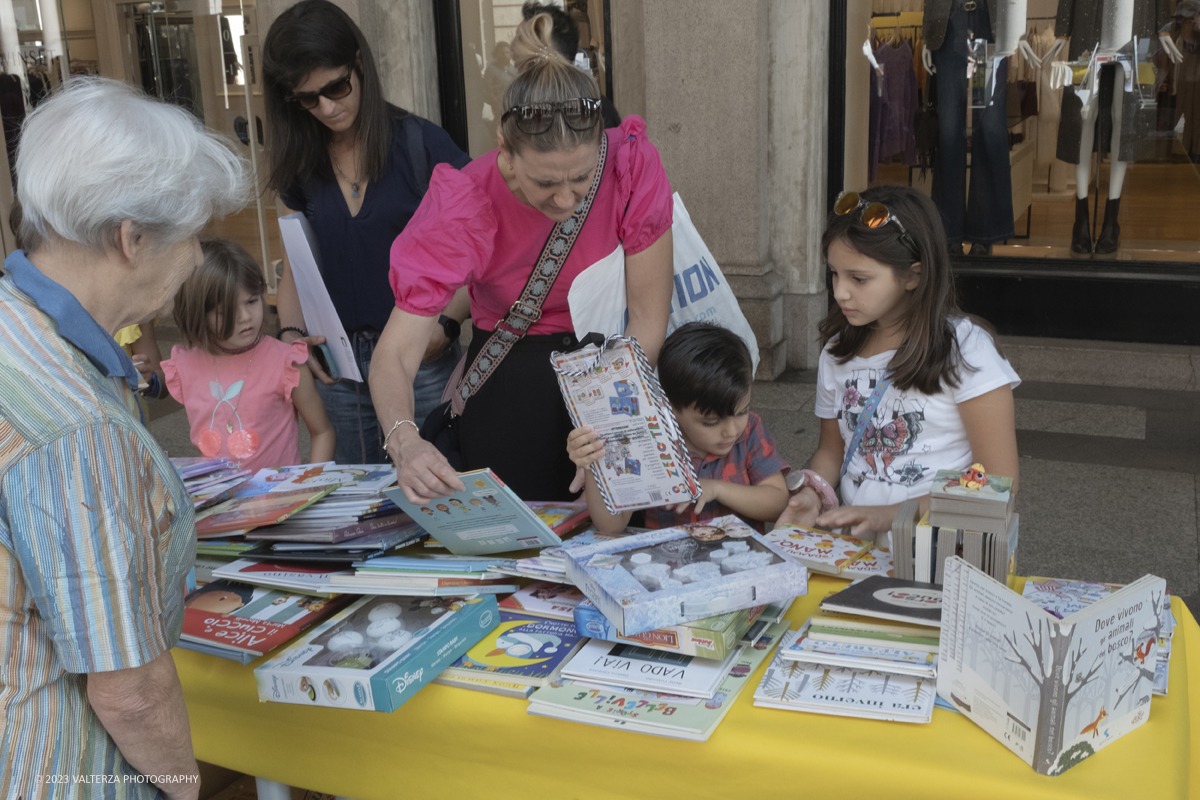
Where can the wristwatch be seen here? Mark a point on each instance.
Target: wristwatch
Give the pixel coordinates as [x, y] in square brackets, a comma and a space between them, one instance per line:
[451, 326]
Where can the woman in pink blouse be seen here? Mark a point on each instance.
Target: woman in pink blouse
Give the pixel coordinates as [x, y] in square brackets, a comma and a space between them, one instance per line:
[484, 227]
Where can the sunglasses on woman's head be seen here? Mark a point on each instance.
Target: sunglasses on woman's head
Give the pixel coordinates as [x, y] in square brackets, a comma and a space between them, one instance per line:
[875, 215]
[579, 113]
[335, 90]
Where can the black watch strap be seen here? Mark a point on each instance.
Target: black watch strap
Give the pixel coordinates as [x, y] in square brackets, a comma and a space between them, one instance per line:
[451, 326]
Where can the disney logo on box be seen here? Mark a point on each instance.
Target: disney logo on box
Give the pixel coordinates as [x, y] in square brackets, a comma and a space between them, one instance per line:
[402, 682]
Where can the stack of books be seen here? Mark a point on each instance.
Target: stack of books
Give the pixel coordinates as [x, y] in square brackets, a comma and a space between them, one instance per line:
[521, 654]
[646, 691]
[214, 487]
[869, 651]
[970, 515]
[551, 563]
[829, 553]
[241, 622]
[425, 575]
[1063, 598]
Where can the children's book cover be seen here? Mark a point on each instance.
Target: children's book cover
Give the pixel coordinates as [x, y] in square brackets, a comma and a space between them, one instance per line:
[889, 598]
[562, 517]
[311, 579]
[875, 561]
[972, 484]
[349, 480]
[641, 668]
[520, 649]
[613, 389]
[1069, 687]
[545, 599]
[243, 513]
[654, 713]
[486, 517]
[844, 691]
[250, 619]
[820, 551]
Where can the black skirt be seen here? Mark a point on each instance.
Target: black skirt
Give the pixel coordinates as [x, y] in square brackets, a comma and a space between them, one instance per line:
[517, 423]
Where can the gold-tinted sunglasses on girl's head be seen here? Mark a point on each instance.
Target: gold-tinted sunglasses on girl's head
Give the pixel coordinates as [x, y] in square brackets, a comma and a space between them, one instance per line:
[875, 215]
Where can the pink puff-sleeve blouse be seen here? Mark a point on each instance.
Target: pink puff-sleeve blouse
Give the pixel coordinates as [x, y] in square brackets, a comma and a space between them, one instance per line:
[251, 393]
[471, 231]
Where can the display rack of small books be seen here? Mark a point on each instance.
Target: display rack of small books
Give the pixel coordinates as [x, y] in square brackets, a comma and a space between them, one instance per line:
[869, 651]
[970, 515]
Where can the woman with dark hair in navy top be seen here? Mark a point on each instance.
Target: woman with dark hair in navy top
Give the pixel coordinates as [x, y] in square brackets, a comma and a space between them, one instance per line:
[357, 167]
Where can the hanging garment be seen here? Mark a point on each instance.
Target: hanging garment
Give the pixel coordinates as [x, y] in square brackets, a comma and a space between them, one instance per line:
[899, 106]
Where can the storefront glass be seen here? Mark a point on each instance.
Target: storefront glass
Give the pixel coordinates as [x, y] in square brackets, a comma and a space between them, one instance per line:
[487, 28]
[1098, 100]
[198, 54]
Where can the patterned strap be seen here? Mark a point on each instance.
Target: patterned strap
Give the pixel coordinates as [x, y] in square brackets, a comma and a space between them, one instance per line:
[527, 309]
[864, 419]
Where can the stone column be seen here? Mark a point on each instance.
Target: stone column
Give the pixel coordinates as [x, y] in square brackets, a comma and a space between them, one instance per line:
[735, 100]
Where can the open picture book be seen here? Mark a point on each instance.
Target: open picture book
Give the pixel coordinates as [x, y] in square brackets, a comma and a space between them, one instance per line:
[1054, 691]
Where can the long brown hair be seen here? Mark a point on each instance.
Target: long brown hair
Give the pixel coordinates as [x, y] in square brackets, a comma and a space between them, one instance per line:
[312, 35]
[213, 286]
[929, 355]
[545, 76]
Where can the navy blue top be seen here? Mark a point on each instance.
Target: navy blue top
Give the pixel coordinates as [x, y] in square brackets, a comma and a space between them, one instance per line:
[355, 250]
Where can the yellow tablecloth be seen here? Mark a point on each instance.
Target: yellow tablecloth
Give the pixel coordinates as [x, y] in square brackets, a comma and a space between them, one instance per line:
[449, 742]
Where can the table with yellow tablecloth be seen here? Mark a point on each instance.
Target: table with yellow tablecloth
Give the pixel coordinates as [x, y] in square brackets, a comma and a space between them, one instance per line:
[450, 742]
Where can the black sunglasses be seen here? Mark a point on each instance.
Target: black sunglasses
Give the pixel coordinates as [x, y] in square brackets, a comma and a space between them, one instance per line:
[334, 91]
[579, 113]
[875, 215]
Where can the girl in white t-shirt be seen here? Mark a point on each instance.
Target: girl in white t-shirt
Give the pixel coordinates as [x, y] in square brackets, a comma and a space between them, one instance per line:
[947, 397]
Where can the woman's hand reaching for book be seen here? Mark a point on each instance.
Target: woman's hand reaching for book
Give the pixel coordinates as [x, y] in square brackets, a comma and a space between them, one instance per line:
[421, 471]
[865, 519]
[803, 508]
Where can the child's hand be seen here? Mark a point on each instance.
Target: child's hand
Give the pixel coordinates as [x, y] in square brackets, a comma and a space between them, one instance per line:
[709, 489]
[803, 508]
[865, 519]
[142, 365]
[584, 447]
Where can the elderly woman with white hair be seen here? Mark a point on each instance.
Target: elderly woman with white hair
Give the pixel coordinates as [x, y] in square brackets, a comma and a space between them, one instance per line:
[97, 532]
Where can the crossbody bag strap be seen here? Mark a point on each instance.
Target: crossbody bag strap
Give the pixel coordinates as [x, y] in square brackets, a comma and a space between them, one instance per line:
[864, 419]
[527, 309]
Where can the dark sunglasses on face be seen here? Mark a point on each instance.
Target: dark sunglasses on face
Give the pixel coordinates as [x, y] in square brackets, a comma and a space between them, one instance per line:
[334, 91]
[875, 215]
[579, 113]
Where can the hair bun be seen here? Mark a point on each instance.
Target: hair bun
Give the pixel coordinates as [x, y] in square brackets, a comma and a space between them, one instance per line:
[532, 45]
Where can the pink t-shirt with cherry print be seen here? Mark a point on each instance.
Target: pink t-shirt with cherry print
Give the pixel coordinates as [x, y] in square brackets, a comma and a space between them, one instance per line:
[240, 406]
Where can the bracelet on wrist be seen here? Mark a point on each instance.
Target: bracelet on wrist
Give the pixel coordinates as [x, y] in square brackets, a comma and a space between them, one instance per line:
[303, 333]
[397, 424]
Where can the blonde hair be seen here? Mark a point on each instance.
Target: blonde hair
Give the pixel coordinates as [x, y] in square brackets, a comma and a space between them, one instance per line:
[545, 76]
[214, 286]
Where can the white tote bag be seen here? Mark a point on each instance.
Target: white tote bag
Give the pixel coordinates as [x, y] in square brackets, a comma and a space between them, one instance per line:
[597, 296]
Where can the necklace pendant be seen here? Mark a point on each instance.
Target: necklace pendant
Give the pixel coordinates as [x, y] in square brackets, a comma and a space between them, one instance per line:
[354, 190]
[228, 426]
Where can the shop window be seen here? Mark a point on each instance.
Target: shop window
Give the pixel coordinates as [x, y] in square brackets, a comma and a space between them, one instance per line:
[1008, 149]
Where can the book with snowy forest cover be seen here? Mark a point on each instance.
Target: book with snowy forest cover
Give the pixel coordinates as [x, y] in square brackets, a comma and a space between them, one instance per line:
[1054, 691]
[843, 691]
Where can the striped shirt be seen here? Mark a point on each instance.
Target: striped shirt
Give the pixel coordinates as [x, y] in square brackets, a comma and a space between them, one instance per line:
[96, 538]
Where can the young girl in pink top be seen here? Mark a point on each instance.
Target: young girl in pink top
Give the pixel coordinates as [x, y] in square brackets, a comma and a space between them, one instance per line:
[241, 389]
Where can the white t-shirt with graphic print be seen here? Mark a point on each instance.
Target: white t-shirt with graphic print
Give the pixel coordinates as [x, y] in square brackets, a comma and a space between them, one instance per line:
[912, 435]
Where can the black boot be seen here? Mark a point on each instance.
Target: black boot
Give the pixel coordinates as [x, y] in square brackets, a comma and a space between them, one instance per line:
[956, 249]
[981, 249]
[1081, 235]
[1110, 233]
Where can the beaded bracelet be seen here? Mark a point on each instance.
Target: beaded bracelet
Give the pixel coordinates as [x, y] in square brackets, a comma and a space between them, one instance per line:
[303, 333]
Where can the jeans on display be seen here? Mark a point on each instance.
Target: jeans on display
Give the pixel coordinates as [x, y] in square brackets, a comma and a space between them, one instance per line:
[352, 414]
[988, 216]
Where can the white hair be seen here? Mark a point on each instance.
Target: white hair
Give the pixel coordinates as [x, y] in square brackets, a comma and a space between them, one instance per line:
[100, 152]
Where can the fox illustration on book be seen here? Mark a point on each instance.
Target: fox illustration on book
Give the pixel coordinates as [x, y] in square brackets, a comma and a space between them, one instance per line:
[1095, 726]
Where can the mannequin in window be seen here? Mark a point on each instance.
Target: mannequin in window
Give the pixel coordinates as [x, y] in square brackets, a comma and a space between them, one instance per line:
[982, 215]
[1111, 25]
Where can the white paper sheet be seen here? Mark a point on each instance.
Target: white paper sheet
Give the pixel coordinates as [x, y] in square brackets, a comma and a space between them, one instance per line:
[320, 317]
